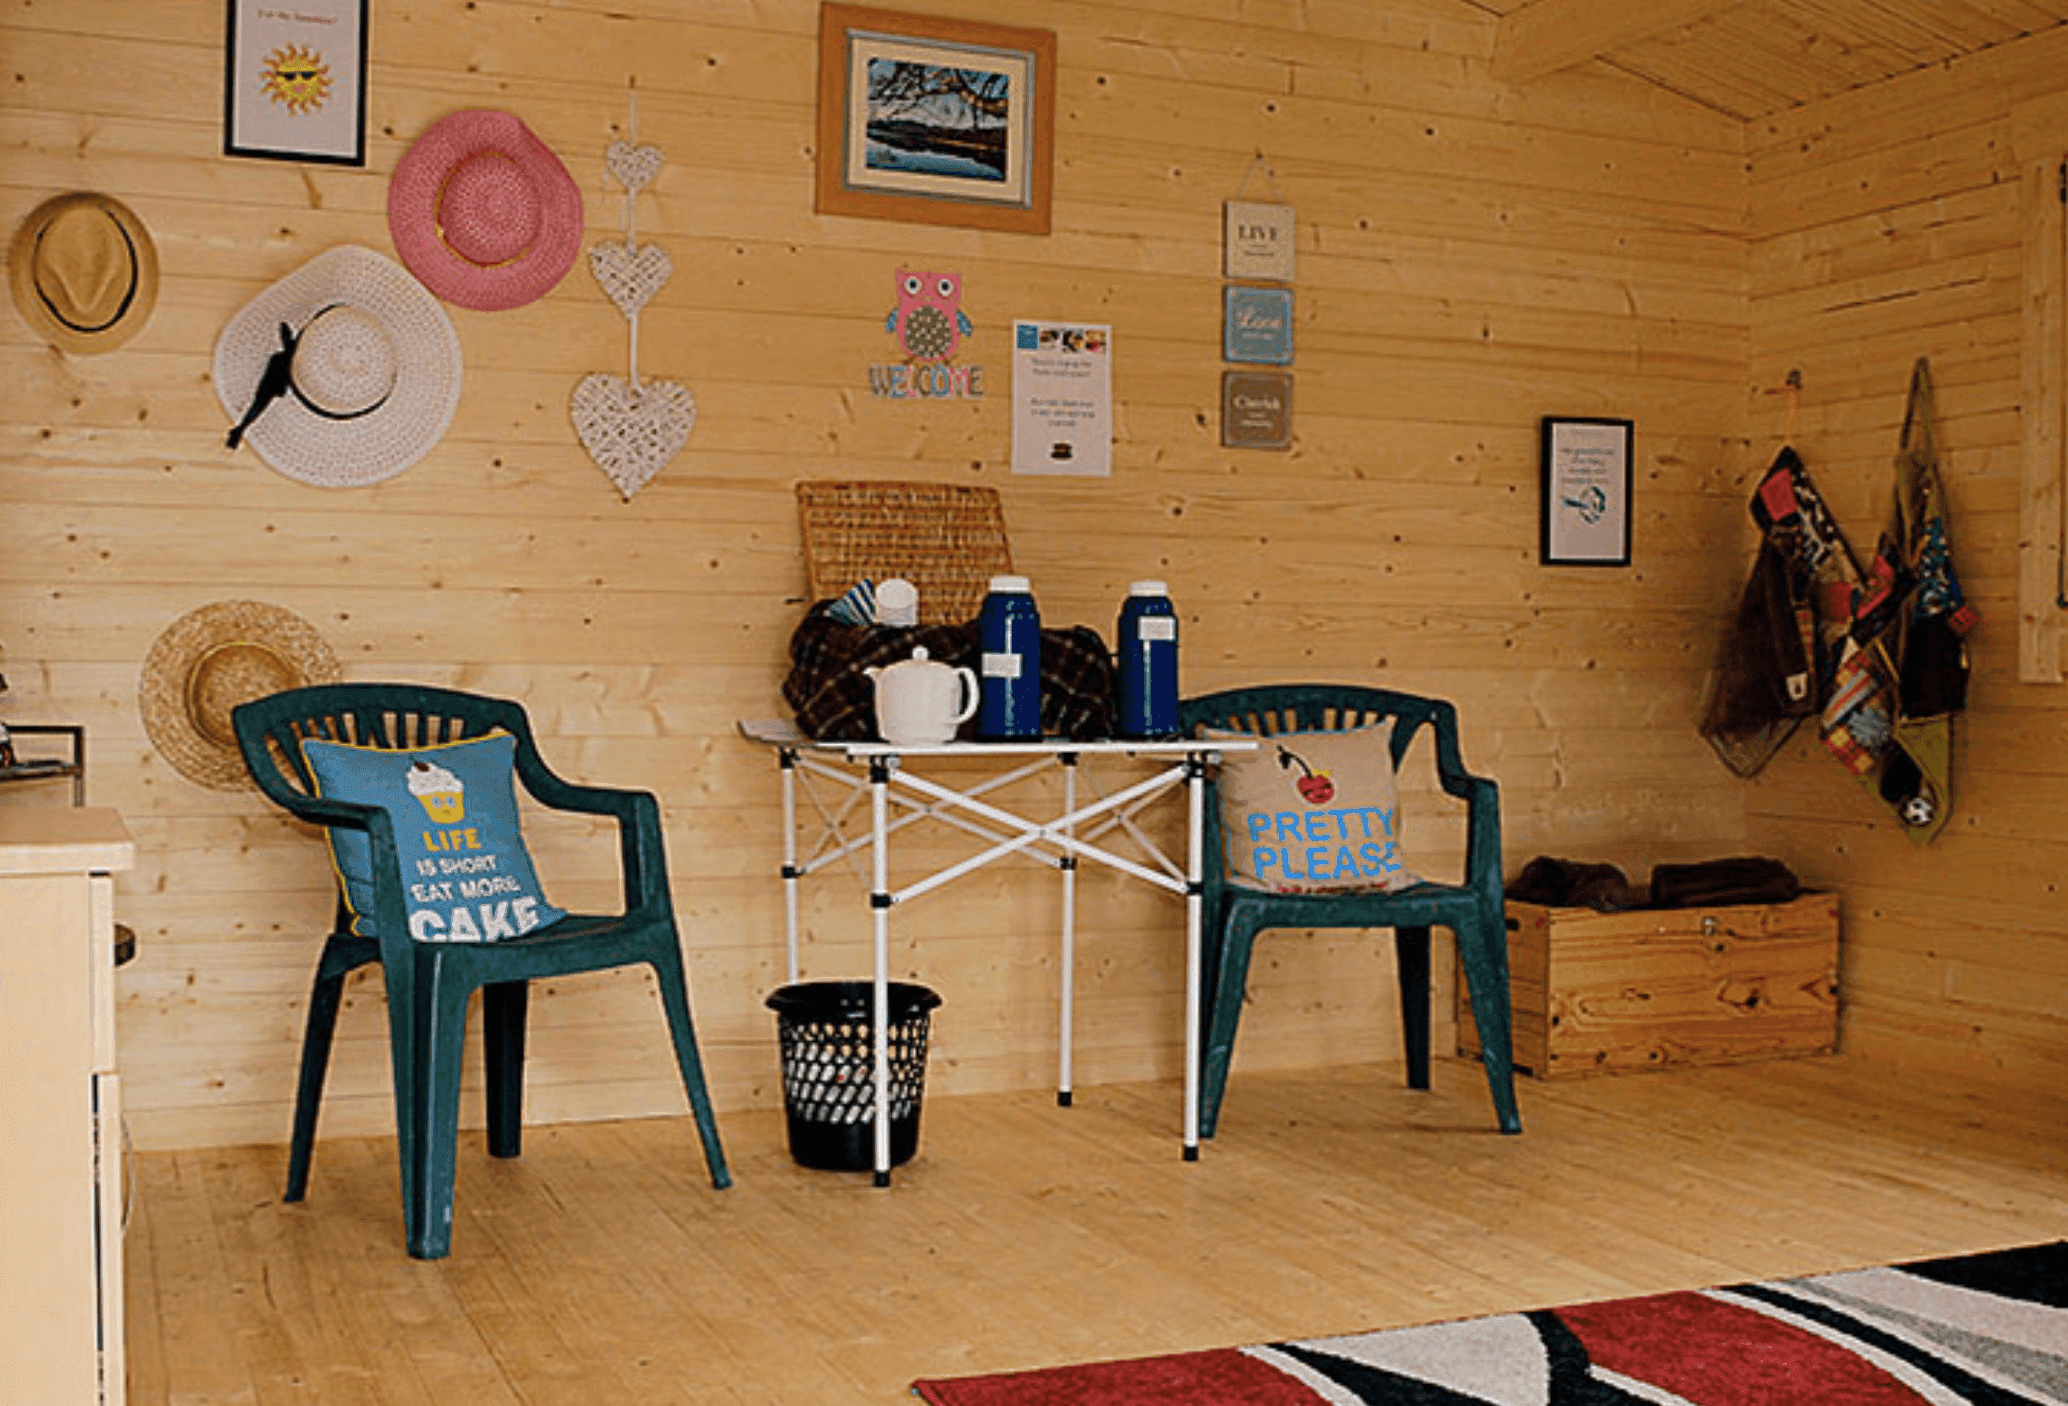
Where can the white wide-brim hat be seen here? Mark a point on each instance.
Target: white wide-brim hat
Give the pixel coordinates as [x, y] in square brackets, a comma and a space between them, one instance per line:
[343, 373]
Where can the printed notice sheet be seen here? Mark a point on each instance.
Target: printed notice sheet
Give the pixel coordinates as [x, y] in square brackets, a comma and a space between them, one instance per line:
[1062, 399]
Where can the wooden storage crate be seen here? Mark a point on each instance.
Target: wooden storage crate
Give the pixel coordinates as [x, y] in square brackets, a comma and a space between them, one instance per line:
[1598, 993]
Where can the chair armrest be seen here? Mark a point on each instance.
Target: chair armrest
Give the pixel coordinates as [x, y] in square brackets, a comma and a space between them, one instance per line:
[390, 913]
[1483, 869]
[326, 811]
[1482, 797]
[642, 855]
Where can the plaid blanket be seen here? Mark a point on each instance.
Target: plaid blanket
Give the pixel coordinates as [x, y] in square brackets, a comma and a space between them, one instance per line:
[835, 700]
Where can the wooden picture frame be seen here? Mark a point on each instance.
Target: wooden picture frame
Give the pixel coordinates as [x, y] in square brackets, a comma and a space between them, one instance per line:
[294, 81]
[1587, 475]
[935, 120]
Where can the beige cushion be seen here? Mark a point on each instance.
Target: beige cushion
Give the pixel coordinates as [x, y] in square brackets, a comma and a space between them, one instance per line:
[1313, 812]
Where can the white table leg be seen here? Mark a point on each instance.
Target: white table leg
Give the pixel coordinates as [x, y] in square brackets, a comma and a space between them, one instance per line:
[1195, 874]
[787, 760]
[1068, 864]
[879, 907]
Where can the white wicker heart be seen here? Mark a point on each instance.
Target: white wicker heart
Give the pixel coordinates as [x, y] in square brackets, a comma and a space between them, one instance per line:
[634, 166]
[631, 431]
[630, 273]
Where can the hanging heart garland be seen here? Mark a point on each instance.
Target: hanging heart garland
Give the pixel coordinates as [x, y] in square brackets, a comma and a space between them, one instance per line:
[630, 427]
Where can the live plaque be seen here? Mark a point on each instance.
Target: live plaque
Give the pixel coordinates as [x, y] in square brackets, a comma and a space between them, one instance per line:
[1256, 409]
[1257, 240]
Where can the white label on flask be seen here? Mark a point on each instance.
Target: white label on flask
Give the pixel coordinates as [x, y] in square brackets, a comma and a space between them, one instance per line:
[1001, 666]
[1159, 627]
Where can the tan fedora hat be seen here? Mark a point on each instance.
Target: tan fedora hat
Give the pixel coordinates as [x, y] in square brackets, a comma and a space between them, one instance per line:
[84, 272]
[208, 662]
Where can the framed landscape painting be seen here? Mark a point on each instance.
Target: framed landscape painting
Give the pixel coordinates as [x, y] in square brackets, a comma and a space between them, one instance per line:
[934, 120]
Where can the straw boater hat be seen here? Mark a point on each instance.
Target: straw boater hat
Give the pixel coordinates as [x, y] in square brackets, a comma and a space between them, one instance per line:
[84, 272]
[207, 663]
[483, 212]
[343, 373]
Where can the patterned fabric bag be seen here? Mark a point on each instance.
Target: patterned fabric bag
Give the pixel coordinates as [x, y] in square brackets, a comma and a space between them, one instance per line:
[1922, 619]
[1763, 683]
[1855, 686]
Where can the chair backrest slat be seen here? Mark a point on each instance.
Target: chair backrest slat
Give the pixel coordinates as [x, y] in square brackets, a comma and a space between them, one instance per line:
[1272, 709]
[270, 730]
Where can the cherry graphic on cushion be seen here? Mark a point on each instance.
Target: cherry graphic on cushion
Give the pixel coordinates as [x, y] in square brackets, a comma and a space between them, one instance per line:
[1315, 787]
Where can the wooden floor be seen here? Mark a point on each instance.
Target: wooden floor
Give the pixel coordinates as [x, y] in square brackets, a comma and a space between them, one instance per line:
[601, 1267]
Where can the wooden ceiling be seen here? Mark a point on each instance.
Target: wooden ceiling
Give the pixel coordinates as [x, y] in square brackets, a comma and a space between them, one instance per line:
[1751, 58]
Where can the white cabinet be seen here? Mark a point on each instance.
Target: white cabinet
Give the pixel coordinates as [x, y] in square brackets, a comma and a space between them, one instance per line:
[60, 1108]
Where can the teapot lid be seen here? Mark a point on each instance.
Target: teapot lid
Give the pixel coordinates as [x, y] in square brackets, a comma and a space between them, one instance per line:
[919, 656]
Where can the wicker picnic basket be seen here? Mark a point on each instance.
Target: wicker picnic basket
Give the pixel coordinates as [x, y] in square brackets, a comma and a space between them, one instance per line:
[946, 539]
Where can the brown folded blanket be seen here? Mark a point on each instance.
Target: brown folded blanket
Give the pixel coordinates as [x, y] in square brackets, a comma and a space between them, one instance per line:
[1713, 883]
[834, 700]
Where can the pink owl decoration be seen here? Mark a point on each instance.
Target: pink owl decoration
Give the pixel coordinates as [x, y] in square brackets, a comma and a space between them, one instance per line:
[928, 320]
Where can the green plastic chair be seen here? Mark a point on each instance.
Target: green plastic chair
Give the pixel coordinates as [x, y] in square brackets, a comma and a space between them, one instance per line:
[429, 983]
[1234, 915]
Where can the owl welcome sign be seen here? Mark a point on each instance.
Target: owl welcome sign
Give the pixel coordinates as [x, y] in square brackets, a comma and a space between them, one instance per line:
[929, 328]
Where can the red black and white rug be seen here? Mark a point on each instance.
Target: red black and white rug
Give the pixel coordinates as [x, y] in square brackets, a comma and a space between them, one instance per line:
[1976, 1330]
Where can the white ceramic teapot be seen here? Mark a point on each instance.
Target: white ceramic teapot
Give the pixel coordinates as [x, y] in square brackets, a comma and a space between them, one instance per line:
[916, 700]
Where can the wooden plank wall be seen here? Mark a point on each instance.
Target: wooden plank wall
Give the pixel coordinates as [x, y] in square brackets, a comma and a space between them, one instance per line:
[1887, 226]
[1470, 257]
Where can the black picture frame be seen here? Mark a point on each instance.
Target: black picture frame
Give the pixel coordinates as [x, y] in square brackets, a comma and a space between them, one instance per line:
[294, 80]
[1587, 471]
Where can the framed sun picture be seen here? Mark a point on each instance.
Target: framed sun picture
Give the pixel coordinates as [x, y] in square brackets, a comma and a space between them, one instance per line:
[294, 81]
[1586, 502]
[935, 120]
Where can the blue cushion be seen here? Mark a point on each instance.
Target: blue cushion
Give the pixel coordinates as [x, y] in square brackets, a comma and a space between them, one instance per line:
[466, 876]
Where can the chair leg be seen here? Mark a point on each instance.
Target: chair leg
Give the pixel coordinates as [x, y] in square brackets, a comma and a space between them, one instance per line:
[1483, 947]
[503, 1007]
[1231, 980]
[325, 995]
[675, 1002]
[429, 1172]
[1411, 956]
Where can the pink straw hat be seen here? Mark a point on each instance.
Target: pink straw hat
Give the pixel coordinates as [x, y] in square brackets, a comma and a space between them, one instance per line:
[483, 212]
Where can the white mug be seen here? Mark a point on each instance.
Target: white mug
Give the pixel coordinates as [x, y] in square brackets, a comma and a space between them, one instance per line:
[897, 602]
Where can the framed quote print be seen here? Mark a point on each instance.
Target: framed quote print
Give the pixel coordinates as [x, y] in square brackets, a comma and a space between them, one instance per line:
[1586, 493]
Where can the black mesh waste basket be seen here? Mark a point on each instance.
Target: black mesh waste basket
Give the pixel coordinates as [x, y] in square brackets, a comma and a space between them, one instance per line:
[827, 1033]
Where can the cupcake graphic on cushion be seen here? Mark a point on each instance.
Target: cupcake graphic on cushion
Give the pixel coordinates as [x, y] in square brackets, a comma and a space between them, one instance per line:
[443, 794]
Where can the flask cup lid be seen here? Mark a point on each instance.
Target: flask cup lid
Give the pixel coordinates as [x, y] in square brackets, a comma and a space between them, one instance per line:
[1011, 585]
[1148, 588]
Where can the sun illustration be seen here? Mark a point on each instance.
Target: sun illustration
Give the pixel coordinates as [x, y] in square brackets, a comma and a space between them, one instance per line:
[296, 78]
